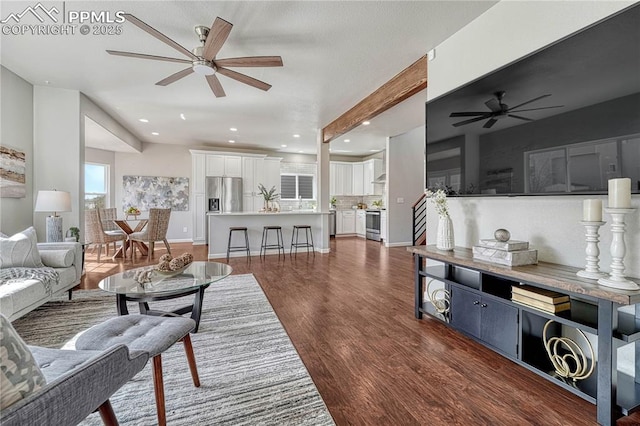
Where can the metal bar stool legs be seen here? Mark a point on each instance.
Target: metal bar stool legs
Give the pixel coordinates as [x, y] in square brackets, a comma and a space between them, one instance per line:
[265, 240]
[245, 247]
[308, 235]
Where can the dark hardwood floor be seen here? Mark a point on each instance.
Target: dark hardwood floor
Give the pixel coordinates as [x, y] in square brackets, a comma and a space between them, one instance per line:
[350, 316]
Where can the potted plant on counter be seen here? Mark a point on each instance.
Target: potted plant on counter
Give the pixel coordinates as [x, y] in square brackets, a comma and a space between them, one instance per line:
[268, 196]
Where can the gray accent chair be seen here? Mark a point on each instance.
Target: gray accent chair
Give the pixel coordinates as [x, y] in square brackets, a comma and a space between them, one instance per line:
[78, 383]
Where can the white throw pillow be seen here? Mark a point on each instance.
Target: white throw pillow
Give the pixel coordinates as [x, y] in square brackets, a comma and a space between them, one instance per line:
[20, 250]
[58, 258]
[20, 376]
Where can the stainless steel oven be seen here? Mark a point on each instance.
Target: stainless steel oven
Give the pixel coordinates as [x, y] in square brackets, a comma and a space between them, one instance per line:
[373, 225]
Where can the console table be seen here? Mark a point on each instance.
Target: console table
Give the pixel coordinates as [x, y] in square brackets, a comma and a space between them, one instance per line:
[478, 304]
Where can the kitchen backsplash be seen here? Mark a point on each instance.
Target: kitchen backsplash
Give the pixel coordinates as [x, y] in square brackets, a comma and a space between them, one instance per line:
[345, 202]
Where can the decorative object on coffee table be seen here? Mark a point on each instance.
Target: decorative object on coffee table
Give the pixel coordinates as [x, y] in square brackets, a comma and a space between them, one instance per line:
[444, 234]
[567, 357]
[503, 251]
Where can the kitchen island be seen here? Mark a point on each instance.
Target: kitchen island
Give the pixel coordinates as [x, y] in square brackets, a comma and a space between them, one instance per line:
[219, 224]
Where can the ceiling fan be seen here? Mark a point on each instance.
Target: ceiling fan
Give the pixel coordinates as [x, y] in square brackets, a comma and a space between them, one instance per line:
[498, 111]
[202, 60]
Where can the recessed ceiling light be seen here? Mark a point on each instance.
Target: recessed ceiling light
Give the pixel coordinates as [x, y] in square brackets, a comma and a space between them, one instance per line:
[233, 129]
[366, 123]
[340, 150]
[155, 133]
[232, 141]
[47, 82]
[301, 151]
[283, 145]
[347, 140]
[373, 150]
[144, 120]
[183, 117]
[296, 135]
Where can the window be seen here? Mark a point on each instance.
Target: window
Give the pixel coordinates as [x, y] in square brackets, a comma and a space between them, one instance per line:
[96, 185]
[296, 186]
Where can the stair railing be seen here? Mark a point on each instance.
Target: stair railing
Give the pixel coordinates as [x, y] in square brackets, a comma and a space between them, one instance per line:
[419, 219]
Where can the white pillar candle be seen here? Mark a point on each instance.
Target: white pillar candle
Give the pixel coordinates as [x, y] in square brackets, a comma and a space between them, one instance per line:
[592, 210]
[620, 193]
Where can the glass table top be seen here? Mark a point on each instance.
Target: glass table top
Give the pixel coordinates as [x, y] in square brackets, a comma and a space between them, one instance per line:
[197, 274]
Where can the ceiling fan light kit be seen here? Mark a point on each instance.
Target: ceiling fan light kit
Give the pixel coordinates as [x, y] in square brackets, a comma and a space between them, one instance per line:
[203, 58]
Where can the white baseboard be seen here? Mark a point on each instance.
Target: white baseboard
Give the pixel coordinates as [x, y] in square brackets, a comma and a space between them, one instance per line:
[401, 244]
[180, 240]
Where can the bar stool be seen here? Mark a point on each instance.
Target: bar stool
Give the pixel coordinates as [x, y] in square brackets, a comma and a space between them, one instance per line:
[307, 233]
[245, 247]
[265, 240]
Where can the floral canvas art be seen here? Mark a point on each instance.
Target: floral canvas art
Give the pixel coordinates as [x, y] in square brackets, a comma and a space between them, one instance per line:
[145, 192]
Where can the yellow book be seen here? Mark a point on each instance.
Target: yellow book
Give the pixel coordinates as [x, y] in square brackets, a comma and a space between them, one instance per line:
[547, 296]
[535, 303]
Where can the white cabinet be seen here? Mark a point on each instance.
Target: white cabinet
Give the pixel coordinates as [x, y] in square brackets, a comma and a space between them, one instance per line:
[341, 179]
[383, 225]
[348, 219]
[224, 165]
[198, 197]
[357, 170]
[199, 221]
[339, 223]
[371, 170]
[256, 171]
[197, 173]
[361, 223]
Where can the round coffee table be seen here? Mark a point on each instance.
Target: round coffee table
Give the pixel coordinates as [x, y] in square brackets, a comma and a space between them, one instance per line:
[193, 280]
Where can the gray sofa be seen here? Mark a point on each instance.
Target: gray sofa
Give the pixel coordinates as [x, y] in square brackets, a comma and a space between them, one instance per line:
[23, 289]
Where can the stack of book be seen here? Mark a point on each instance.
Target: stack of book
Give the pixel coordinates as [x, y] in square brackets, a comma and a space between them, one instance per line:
[545, 300]
[510, 253]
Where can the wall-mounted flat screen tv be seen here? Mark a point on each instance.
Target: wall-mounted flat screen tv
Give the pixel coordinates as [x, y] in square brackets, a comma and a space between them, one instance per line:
[563, 120]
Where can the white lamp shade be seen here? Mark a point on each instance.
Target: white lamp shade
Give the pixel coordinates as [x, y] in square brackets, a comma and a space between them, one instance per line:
[53, 201]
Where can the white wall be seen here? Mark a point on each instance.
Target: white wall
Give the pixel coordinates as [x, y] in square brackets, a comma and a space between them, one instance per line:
[58, 151]
[158, 160]
[405, 181]
[549, 223]
[16, 132]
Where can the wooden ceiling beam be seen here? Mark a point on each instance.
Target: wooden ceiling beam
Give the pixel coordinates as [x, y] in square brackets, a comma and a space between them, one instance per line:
[407, 83]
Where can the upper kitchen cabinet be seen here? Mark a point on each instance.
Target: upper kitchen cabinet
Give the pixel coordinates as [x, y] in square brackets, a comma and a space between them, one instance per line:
[341, 179]
[224, 165]
[358, 175]
[372, 169]
[256, 171]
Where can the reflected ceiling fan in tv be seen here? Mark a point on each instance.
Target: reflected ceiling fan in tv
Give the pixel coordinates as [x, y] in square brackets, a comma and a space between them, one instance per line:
[498, 111]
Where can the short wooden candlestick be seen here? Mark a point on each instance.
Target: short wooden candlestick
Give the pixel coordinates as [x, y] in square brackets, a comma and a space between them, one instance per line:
[616, 278]
[592, 270]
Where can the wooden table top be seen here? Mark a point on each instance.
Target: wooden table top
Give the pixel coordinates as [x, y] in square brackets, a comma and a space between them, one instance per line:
[560, 277]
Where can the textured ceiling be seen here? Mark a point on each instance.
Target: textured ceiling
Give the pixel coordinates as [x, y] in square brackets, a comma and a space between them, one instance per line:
[334, 53]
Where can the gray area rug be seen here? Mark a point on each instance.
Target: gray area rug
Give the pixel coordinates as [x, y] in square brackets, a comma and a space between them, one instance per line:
[250, 373]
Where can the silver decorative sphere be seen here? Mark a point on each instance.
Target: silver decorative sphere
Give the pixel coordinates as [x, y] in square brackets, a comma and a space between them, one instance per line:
[502, 235]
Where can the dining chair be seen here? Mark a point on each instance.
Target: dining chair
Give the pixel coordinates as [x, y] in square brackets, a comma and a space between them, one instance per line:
[95, 234]
[156, 230]
[107, 217]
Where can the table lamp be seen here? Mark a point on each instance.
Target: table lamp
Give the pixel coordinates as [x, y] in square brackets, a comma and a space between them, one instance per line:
[53, 201]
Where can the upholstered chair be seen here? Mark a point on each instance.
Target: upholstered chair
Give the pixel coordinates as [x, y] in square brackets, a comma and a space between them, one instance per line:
[107, 217]
[156, 230]
[95, 234]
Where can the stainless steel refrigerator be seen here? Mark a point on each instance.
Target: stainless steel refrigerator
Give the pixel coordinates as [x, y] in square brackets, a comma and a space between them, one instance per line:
[224, 194]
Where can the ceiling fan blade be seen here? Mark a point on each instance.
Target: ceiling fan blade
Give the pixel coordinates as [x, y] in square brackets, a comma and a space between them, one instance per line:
[473, 120]
[490, 122]
[175, 77]
[157, 34]
[242, 78]
[143, 56]
[218, 34]
[467, 114]
[535, 109]
[520, 117]
[493, 105]
[251, 61]
[215, 85]
[528, 102]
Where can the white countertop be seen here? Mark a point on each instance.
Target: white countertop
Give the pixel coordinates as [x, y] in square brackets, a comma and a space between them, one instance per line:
[282, 213]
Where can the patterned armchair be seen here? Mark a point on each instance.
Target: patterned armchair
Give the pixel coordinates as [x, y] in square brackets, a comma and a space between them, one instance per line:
[156, 230]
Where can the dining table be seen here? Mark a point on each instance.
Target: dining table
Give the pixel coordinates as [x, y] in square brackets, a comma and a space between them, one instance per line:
[125, 226]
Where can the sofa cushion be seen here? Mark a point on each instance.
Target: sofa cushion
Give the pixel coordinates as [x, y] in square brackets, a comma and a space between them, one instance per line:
[58, 258]
[19, 374]
[20, 250]
[16, 295]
